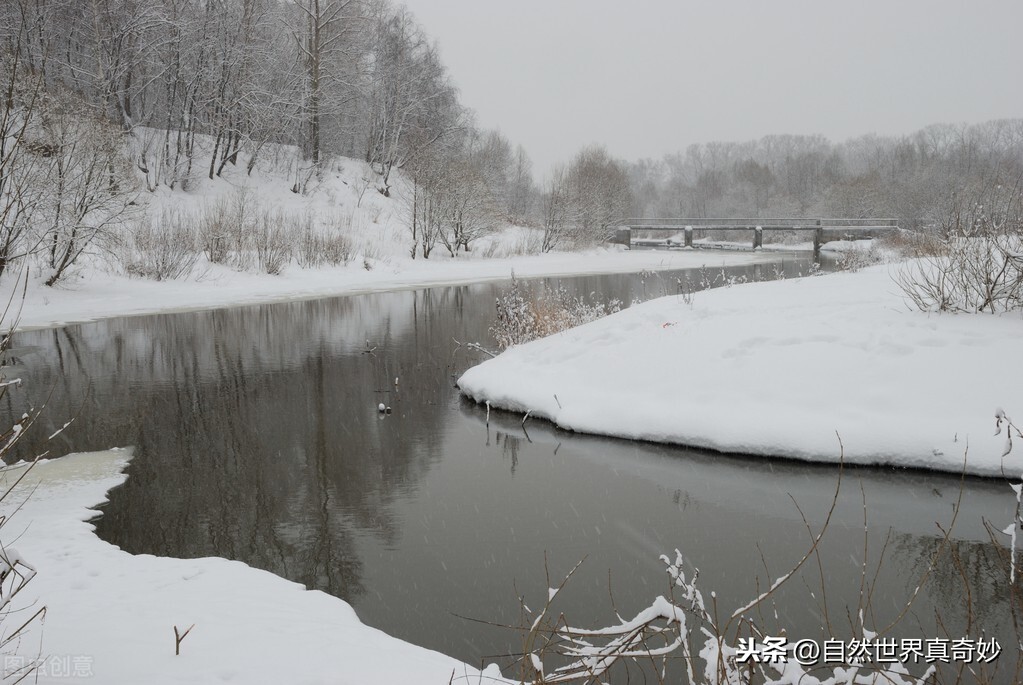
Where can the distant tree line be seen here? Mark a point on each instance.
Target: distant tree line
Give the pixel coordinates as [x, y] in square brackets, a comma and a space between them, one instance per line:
[942, 177]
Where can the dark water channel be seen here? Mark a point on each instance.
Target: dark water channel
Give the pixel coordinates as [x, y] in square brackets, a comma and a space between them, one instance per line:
[258, 438]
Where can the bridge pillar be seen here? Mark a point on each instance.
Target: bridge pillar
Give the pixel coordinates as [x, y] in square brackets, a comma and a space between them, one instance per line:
[623, 236]
[689, 236]
[818, 240]
[758, 237]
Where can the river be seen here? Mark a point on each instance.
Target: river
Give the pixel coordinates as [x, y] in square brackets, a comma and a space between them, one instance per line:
[258, 438]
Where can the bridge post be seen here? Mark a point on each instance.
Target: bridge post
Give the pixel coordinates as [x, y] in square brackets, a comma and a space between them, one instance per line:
[689, 236]
[758, 237]
[623, 236]
[818, 240]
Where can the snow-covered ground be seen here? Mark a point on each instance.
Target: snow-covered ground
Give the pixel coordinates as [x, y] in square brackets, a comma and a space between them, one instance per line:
[778, 369]
[345, 201]
[110, 615]
[101, 295]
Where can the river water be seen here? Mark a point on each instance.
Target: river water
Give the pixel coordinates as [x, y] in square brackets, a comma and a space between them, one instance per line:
[258, 438]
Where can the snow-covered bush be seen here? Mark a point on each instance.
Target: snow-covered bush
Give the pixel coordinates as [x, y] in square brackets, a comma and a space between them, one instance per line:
[524, 315]
[17, 619]
[971, 274]
[682, 638]
[854, 260]
[978, 265]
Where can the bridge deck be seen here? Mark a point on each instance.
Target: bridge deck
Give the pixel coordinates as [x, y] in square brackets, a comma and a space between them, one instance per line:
[848, 229]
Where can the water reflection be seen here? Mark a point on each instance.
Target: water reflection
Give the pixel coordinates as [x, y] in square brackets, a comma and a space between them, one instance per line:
[258, 439]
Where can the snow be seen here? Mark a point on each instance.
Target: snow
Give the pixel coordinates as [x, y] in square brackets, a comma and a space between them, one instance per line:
[104, 295]
[782, 368]
[345, 200]
[111, 615]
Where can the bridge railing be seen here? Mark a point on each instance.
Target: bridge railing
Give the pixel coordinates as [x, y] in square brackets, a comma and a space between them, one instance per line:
[783, 223]
[845, 228]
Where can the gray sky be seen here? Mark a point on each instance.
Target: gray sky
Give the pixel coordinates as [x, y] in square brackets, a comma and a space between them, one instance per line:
[646, 77]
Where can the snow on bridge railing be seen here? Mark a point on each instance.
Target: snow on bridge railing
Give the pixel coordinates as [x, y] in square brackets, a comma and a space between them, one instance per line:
[852, 229]
[784, 223]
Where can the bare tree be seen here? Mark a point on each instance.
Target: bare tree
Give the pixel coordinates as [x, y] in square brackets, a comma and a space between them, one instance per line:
[412, 104]
[600, 193]
[22, 163]
[91, 191]
[521, 191]
[555, 209]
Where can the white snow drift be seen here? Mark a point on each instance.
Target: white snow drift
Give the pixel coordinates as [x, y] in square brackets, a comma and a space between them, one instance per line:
[780, 368]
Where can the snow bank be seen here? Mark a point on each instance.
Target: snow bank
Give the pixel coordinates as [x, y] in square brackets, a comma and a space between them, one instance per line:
[111, 615]
[98, 294]
[777, 369]
[345, 201]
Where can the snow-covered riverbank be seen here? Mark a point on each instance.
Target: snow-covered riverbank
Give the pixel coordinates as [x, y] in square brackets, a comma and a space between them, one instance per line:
[104, 295]
[778, 369]
[110, 615]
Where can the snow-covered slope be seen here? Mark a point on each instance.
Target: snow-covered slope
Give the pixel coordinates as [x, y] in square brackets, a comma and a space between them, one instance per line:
[345, 200]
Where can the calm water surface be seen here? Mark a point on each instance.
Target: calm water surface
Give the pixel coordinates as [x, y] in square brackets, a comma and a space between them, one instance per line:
[258, 438]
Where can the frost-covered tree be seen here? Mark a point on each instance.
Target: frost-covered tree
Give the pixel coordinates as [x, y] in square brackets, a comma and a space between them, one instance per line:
[599, 193]
[90, 190]
[556, 210]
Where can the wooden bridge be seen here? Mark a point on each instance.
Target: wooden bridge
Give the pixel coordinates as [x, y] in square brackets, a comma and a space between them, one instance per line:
[824, 230]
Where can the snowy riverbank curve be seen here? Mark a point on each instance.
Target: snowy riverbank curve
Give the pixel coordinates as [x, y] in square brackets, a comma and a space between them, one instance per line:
[112, 615]
[777, 369]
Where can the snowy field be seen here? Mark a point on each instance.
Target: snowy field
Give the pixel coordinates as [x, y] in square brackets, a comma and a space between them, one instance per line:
[778, 369]
[110, 615]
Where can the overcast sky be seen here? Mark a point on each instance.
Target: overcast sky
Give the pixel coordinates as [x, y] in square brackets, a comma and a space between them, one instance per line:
[647, 77]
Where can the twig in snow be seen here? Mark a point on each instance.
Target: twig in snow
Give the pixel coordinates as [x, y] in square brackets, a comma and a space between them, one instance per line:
[179, 637]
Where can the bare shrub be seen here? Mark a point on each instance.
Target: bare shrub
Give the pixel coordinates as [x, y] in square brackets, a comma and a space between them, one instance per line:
[338, 245]
[911, 243]
[224, 228]
[271, 239]
[529, 242]
[309, 250]
[213, 233]
[318, 247]
[682, 638]
[161, 249]
[338, 249]
[523, 315]
[979, 264]
[971, 274]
